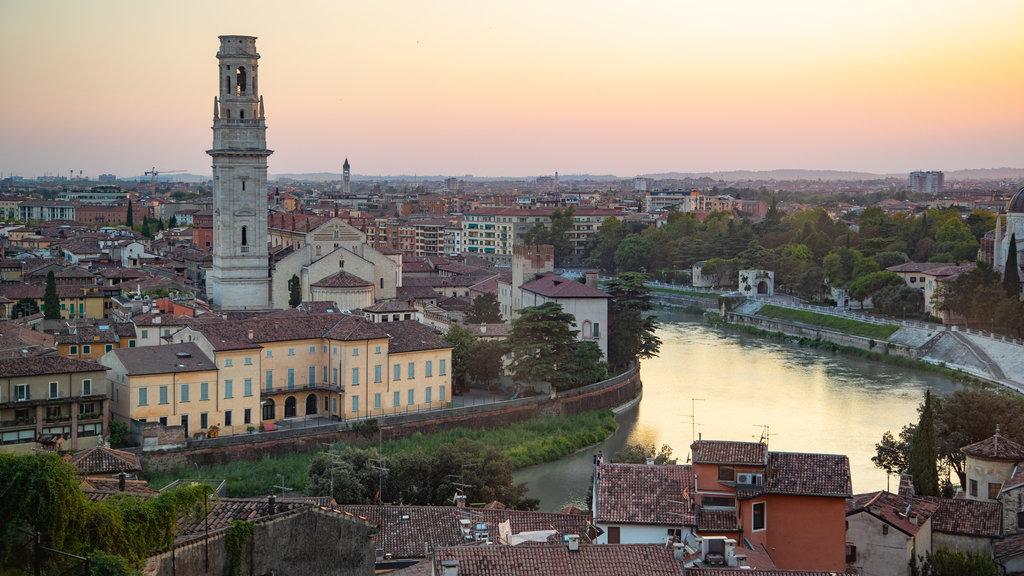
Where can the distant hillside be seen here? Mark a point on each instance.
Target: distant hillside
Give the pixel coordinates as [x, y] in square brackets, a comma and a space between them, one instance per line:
[986, 174]
[781, 174]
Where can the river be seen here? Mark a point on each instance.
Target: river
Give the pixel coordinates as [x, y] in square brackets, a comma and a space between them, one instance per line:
[741, 385]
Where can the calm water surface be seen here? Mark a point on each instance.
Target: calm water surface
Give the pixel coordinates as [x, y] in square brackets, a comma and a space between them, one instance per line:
[811, 401]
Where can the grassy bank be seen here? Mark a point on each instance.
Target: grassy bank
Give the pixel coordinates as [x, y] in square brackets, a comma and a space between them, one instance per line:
[526, 443]
[837, 323]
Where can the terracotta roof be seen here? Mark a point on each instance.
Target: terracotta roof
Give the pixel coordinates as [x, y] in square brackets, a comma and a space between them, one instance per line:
[287, 325]
[416, 292]
[391, 306]
[643, 494]
[717, 520]
[411, 336]
[1009, 547]
[405, 529]
[995, 447]
[489, 330]
[892, 509]
[102, 460]
[735, 572]
[101, 488]
[1016, 479]
[725, 452]
[12, 367]
[557, 560]
[808, 474]
[918, 266]
[967, 517]
[171, 358]
[552, 285]
[226, 510]
[342, 280]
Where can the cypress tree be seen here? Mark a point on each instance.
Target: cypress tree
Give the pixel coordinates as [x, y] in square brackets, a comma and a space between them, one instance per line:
[51, 302]
[129, 221]
[922, 460]
[1011, 275]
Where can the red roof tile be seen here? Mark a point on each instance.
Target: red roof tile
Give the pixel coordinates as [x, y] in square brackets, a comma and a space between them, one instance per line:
[893, 509]
[643, 494]
[967, 517]
[996, 447]
[589, 560]
[808, 474]
[102, 460]
[724, 452]
[552, 285]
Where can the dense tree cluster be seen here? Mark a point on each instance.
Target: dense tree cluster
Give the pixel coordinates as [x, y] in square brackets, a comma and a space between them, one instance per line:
[982, 299]
[958, 419]
[480, 472]
[41, 494]
[544, 348]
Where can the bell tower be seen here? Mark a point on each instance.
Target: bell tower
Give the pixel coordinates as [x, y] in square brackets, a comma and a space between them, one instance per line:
[240, 277]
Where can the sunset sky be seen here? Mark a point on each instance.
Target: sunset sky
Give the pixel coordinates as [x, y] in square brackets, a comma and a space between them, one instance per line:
[451, 87]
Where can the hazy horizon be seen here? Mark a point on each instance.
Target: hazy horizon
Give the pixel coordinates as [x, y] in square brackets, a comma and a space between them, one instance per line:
[497, 89]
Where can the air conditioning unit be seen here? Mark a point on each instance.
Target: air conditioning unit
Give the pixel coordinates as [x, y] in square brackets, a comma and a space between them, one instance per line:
[750, 479]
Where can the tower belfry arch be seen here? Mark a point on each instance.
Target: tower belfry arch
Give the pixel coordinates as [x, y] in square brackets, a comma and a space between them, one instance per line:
[240, 276]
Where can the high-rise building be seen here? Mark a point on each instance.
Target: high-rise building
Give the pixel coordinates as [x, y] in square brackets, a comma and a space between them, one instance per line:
[930, 182]
[240, 277]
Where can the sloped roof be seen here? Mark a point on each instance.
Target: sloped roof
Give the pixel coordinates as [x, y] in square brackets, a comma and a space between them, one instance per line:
[967, 518]
[808, 474]
[892, 509]
[99, 488]
[714, 520]
[726, 452]
[735, 572]
[643, 494]
[589, 560]
[411, 336]
[11, 367]
[404, 529]
[171, 358]
[1009, 547]
[551, 285]
[996, 447]
[102, 460]
[342, 279]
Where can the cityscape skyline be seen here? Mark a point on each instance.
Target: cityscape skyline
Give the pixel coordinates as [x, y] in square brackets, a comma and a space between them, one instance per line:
[526, 89]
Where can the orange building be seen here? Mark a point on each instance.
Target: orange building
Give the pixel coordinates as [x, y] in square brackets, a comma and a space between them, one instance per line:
[792, 504]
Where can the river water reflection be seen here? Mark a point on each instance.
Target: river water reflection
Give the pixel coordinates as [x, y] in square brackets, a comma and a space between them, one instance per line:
[811, 401]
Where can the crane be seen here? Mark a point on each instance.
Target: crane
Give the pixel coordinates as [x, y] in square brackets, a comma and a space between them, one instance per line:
[153, 174]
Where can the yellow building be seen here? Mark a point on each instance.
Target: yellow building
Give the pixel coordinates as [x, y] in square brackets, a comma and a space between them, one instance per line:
[177, 384]
[311, 365]
[91, 341]
[52, 402]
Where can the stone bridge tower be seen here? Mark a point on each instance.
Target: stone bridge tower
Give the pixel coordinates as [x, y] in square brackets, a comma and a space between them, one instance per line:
[240, 277]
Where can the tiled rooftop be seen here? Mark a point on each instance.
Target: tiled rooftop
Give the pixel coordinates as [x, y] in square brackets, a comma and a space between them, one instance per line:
[643, 494]
[411, 336]
[808, 474]
[557, 560]
[996, 447]
[171, 358]
[102, 460]
[967, 518]
[552, 285]
[725, 452]
[405, 529]
[342, 280]
[892, 509]
[12, 367]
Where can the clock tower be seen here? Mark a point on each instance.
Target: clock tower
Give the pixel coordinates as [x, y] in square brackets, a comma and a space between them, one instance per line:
[240, 277]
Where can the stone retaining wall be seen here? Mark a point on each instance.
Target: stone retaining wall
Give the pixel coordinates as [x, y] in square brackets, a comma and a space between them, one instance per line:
[254, 447]
[801, 330]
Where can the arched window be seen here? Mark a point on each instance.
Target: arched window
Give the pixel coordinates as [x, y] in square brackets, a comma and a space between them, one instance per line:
[241, 114]
[240, 80]
[245, 235]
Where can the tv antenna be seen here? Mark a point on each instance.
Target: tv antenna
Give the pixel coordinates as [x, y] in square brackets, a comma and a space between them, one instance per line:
[765, 434]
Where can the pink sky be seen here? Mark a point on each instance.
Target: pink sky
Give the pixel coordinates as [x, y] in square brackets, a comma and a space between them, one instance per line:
[521, 88]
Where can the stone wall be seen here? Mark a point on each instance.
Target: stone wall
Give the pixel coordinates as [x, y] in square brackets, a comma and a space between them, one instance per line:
[817, 333]
[307, 541]
[254, 447]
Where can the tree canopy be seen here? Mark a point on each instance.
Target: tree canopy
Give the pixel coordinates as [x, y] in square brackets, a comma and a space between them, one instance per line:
[51, 302]
[484, 310]
[632, 333]
[541, 339]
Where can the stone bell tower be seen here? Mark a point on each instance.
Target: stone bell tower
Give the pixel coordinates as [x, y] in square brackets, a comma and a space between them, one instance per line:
[240, 276]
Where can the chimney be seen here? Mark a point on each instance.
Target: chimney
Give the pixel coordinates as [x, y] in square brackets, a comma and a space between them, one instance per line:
[250, 335]
[449, 568]
[460, 501]
[574, 542]
[121, 481]
[272, 503]
[590, 278]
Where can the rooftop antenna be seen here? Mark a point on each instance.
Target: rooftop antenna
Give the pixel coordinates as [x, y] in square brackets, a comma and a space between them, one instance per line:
[765, 434]
[693, 418]
[378, 465]
[282, 486]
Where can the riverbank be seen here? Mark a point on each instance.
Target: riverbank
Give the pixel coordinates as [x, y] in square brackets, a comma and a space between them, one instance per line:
[526, 443]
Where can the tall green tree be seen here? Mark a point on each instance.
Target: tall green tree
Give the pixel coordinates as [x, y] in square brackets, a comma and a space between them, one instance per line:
[484, 310]
[463, 342]
[129, 219]
[51, 302]
[173, 222]
[540, 341]
[632, 334]
[485, 361]
[922, 461]
[294, 291]
[1011, 273]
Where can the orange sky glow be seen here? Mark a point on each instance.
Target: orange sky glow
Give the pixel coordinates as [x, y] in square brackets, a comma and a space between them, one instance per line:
[453, 87]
